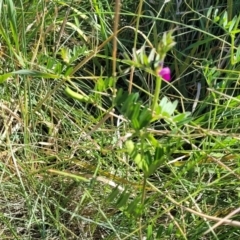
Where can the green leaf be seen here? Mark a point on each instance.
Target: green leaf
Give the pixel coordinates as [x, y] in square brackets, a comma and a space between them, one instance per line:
[113, 194]
[145, 118]
[167, 107]
[77, 96]
[27, 72]
[128, 103]
[68, 71]
[158, 153]
[224, 20]
[151, 56]
[209, 12]
[65, 54]
[231, 24]
[181, 117]
[157, 162]
[148, 159]
[133, 115]
[135, 208]
[238, 54]
[118, 100]
[154, 142]
[36, 74]
[141, 162]
[160, 232]
[129, 146]
[109, 82]
[149, 232]
[5, 76]
[122, 200]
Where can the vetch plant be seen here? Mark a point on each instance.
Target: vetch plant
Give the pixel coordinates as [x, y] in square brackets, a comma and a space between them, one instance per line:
[149, 154]
[153, 63]
[143, 148]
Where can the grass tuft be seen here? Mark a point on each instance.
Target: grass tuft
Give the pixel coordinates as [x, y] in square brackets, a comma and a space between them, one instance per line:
[94, 144]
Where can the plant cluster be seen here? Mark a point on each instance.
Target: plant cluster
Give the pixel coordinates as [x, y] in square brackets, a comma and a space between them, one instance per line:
[119, 120]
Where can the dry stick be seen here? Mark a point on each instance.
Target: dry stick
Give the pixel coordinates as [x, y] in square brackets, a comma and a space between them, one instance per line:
[98, 124]
[114, 52]
[204, 216]
[222, 221]
[197, 97]
[8, 123]
[216, 219]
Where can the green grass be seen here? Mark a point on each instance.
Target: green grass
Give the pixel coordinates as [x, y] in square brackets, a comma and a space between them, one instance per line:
[118, 166]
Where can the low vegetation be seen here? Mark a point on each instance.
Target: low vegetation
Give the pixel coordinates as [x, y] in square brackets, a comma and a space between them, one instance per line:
[119, 120]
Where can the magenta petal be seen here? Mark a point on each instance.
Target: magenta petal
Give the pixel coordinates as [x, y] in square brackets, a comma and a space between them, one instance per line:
[165, 73]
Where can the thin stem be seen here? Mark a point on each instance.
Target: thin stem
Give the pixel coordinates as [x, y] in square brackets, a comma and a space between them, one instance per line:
[143, 188]
[156, 93]
[135, 44]
[230, 9]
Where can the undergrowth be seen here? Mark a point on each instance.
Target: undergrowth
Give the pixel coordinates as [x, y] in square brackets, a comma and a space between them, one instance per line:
[97, 142]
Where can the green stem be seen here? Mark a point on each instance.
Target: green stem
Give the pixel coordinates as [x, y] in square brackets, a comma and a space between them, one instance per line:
[232, 49]
[229, 9]
[156, 93]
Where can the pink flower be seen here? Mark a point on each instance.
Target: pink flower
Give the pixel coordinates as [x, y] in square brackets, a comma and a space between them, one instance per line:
[165, 73]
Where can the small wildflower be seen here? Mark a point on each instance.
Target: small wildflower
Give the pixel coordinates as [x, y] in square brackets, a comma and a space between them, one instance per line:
[165, 73]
